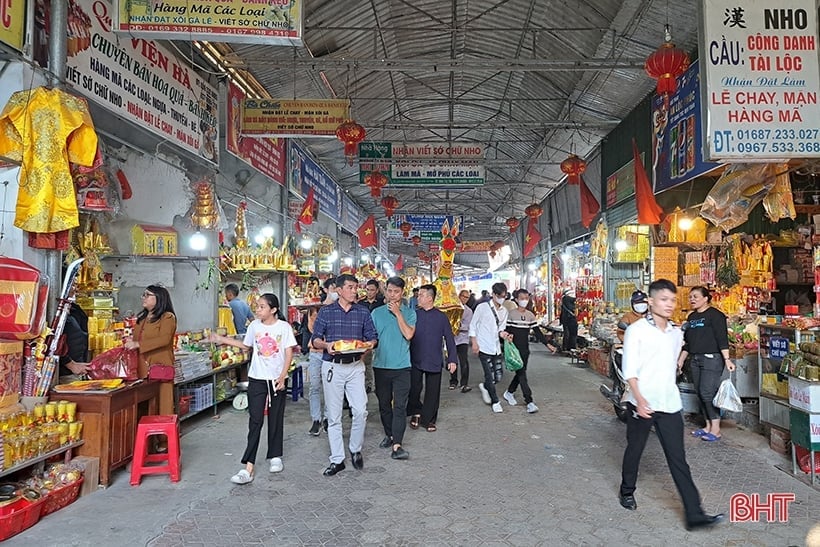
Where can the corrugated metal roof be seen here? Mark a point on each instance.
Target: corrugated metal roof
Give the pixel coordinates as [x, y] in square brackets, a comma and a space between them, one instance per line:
[530, 79]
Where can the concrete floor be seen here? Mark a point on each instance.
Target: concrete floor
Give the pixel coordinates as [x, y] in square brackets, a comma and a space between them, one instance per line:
[514, 478]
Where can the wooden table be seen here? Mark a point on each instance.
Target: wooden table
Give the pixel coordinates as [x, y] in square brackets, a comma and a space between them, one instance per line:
[110, 422]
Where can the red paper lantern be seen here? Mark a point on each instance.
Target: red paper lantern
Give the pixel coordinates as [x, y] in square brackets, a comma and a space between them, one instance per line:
[416, 240]
[665, 64]
[390, 204]
[405, 228]
[351, 134]
[513, 224]
[448, 244]
[533, 211]
[574, 167]
[376, 180]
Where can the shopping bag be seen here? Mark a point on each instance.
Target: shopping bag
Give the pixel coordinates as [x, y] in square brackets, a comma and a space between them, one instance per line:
[115, 363]
[161, 373]
[727, 397]
[512, 358]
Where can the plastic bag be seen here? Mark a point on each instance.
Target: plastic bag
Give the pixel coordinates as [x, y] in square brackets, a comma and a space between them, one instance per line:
[727, 397]
[740, 188]
[115, 363]
[512, 358]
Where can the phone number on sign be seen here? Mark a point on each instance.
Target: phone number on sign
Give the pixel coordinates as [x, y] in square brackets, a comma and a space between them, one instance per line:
[777, 134]
[777, 147]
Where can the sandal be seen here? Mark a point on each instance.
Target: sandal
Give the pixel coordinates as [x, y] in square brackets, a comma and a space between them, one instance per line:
[414, 421]
[708, 437]
[699, 433]
[431, 427]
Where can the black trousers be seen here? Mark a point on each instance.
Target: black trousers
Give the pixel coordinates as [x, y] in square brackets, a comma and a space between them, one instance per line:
[463, 364]
[392, 391]
[432, 395]
[520, 378]
[669, 428]
[570, 338]
[706, 375]
[258, 391]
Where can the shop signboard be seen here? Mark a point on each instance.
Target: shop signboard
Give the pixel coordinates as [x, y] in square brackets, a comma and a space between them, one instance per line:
[761, 79]
[306, 174]
[12, 22]
[293, 117]
[424, 164]
[269, 22]
[351, 214]
[427, 227]
[266, 155]
[621, 184]
[778, 347]
[677, 155]
[141, 81]
[482, 246]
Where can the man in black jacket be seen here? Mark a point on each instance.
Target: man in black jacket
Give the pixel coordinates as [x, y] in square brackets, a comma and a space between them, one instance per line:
[75, 359]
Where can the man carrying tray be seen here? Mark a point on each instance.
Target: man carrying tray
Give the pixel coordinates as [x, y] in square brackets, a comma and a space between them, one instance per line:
[343, 371]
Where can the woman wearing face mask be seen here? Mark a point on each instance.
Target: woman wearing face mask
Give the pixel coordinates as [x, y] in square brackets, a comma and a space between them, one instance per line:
[640, 306]
[520, 322]
[706, 342]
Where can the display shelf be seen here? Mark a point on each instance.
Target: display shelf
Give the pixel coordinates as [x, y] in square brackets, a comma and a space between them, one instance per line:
[192, 260]
[212, 372]
[212, 375]
[41, 458]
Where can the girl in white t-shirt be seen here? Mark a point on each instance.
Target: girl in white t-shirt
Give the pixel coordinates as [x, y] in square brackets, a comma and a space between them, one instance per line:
[272, 342]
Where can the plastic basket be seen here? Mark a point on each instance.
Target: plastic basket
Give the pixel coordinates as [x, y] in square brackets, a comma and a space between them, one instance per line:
[18, 516]
[60, 497]
[202, 396]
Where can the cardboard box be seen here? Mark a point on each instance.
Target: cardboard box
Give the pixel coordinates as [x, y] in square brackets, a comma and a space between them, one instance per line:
[804, 395]
[91, 467]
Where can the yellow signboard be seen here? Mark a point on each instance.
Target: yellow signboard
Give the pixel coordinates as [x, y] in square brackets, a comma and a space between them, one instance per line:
[12, 22]
[269, 22]
[289, 118]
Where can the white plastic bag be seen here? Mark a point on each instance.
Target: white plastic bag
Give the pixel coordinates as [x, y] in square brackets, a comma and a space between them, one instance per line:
[727, 397]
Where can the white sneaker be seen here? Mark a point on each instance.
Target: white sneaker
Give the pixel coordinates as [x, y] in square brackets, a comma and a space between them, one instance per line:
[276, 465]
[242, 477]
[531, 408]
[485, 394]
[497, 408]
[510, 398]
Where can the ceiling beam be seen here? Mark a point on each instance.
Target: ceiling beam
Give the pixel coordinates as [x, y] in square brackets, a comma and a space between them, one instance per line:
[434, 65]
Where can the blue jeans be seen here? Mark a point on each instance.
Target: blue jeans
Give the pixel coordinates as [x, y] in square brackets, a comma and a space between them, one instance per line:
[315, 385]
[492, 366]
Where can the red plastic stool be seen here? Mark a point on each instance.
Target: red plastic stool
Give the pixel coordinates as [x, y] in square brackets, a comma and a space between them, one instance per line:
[150, 426]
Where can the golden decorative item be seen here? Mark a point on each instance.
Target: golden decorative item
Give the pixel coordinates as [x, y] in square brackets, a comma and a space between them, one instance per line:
[446, 295]
[205, 215]
[240, 228]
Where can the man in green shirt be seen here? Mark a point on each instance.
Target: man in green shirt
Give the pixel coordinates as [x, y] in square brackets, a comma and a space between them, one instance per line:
[395, 325]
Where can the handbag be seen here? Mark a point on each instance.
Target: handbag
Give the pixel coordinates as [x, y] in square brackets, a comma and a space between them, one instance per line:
[161, 373]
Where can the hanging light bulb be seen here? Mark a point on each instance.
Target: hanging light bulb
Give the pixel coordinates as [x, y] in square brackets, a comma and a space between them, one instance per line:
[685, 223]
[259, 238]
[306, 243]
[621, 245]
[267, 231]
[333, 256]
[198, 241]
[348, 261]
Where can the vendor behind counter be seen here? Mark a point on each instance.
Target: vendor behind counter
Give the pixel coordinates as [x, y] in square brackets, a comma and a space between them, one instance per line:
[73, 347]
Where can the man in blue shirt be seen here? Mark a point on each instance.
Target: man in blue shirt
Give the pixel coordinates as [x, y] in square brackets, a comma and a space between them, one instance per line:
[395, 325]
[432, 328]
[414, 300]
[343, 373]
[242, 314]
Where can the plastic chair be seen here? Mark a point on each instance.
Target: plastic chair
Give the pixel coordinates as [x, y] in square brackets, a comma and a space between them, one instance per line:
[156, 425]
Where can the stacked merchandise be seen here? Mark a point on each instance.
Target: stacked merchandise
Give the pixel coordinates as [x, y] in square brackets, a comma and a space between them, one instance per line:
[191, 364]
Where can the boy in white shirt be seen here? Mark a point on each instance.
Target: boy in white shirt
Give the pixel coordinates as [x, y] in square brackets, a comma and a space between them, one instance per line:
[488, 323]
[651, 349]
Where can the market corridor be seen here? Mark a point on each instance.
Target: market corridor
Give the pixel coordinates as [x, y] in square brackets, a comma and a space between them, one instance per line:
[514, 478]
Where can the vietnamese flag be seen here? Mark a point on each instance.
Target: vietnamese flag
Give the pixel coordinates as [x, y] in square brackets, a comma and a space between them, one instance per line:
[399, 264]
[306, 216]
[649, 212]
[532, 238]
[367, 233]
[589, 205]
